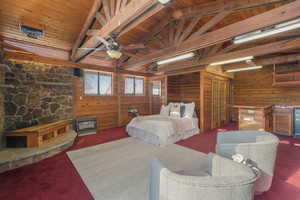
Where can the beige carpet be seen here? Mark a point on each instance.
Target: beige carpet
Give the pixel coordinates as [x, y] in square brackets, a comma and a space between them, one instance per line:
[120, 170]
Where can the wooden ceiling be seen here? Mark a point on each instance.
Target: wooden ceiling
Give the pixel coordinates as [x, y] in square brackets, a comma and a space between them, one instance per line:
[63, 22]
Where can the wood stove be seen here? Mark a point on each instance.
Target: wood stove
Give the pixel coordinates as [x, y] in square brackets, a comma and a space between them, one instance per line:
[86, 125]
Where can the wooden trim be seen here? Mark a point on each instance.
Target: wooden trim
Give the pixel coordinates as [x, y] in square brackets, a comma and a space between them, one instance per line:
[202, 97]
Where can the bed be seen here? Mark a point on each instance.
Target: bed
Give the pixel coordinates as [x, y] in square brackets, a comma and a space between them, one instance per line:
[163, 129]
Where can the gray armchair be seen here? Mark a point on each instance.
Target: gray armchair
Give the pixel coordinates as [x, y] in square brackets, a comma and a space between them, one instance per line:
[258, 146]
[224, 180]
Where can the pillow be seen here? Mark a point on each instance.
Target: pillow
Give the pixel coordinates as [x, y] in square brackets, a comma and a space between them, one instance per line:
[165, 110]
[189, 110]
[175, 110]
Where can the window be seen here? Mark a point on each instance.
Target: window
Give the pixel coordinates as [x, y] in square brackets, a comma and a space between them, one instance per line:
[156, 88]
[97, 83]
[134, 86]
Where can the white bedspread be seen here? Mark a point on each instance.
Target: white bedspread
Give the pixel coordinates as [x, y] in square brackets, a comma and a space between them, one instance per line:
[163, 127]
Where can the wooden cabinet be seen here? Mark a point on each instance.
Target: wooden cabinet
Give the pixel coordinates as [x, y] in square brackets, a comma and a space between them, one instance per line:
[255, 118]
[283, 120]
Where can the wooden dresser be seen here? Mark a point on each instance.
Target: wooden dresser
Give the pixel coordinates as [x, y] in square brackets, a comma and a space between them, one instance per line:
[255, 117]
[283, 122]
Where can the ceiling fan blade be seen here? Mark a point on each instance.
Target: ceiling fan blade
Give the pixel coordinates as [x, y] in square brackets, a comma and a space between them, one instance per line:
[94, 49]
[103, 40]
[134, 46]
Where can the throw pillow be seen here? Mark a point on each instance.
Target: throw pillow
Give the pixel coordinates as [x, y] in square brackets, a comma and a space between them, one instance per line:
[165, 110]
[189, 110]
[175, 110]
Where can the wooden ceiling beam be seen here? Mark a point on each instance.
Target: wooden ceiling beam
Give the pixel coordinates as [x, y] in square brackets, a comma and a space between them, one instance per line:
[158, 28]
[118, 6]
[133, 10]
[101, 19]
[189, 29]
[179, 31]
[265, 61]
[208, 9]
[106, 9]
[255, 51]
[211, 23]
[215, 7]
[112, 8]
[89, 20]
[275, 16]
[52, 61]
[23, 57]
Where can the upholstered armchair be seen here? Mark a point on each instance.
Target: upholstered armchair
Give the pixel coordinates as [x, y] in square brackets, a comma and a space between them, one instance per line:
[223, 180]
[259, 147]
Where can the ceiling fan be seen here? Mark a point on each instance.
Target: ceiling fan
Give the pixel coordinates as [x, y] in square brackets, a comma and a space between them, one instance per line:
[113, 49]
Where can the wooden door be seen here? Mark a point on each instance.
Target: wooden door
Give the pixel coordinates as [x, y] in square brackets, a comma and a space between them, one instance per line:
[220, 101]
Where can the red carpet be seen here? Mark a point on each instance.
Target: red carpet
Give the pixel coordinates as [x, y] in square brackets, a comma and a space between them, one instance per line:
[56, 179]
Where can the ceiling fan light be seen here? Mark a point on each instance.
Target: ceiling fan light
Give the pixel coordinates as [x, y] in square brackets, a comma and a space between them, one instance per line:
[114, 54]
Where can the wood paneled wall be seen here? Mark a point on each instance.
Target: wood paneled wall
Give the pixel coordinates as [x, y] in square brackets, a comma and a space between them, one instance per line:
[111, 111]
[157, 101]
[142, 103]
[185, 88]
[255, 88]
[105, 108]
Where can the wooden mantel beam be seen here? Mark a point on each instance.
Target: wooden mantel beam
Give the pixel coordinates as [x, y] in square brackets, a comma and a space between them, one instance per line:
[275, 16]
[128, 15]
[265, 61]
[255, 51]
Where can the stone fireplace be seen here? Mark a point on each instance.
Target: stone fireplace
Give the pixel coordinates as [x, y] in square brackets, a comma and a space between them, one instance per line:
[33, 94]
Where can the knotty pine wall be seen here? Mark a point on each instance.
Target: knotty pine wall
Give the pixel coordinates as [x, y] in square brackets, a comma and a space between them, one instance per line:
[184, 88]
[142, 103]
[157, 101]
[104, 108]
[255, 88]
[111, 111]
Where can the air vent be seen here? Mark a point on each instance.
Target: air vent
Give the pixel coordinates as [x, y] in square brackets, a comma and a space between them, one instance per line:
[31, 32]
